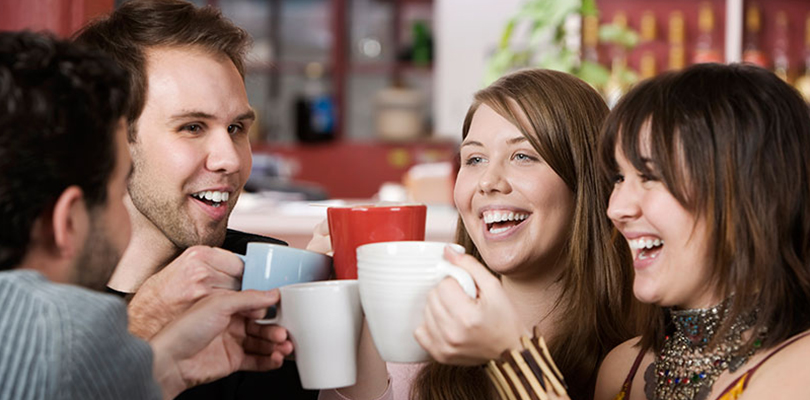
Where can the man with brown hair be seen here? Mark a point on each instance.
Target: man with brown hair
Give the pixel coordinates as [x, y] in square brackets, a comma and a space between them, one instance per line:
[188, 128]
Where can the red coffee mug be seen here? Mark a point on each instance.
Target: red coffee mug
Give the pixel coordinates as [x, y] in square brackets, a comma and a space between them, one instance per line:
[350, 227]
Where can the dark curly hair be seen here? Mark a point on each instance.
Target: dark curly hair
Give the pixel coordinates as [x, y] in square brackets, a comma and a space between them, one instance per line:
[59, 108]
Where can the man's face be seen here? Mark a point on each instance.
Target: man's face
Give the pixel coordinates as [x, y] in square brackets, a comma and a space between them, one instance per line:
[109, 225]
[191, 154]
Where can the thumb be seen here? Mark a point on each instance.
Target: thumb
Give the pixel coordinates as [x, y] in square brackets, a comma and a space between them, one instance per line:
[483, 278]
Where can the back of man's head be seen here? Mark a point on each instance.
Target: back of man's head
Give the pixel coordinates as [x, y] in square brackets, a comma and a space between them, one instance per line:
[139, 24]
[59, 108]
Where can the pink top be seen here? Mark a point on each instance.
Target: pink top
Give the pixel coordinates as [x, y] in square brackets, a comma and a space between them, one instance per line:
[400, 379]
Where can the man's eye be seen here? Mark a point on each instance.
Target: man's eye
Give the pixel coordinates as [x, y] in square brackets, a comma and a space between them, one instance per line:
[232, 129]
[193, 128]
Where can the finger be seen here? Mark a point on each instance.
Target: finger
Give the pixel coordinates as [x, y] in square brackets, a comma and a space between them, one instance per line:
[481, 275]
[272, 333]
[429, 333]
[438, 310]
[232, 303]
[451, 298]
[258, 346]
[261, 363]
[321, 242]
[323, 227]
[285, 348]
[220, 260]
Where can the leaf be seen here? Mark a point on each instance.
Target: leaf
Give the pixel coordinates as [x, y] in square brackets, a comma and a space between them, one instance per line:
[507, 33]
[589, 8]
[593, 73]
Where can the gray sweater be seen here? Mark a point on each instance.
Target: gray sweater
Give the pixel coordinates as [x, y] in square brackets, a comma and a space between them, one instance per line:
[64, 342]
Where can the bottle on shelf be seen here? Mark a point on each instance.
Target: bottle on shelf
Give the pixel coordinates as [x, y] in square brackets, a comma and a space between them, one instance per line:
[705, 48]
[590, 38]
[677, 52]
[752, 52]
[781, 61]
[803, 82]
[647, 65]
[314, 107]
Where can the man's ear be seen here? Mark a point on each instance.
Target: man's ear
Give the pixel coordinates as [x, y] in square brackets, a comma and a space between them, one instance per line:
[70, 223]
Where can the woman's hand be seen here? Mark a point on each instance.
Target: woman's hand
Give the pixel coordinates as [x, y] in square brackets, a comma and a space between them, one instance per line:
[463, 331]
[321, 242]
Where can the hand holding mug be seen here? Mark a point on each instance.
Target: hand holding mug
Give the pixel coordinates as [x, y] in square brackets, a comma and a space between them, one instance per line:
[395, 279]
[206, 341]
[461, 330]
[196, 273]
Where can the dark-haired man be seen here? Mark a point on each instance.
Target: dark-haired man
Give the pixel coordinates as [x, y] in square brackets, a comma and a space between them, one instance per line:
[188, 139]
[64, 164]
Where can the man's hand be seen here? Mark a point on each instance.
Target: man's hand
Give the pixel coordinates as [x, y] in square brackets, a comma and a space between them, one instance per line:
[208, 341]
[197, 273]
[321, 241]
[463, 331]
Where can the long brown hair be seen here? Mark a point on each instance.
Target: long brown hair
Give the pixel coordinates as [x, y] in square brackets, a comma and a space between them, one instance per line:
[732, 144]
[560, 116]
[137, 25]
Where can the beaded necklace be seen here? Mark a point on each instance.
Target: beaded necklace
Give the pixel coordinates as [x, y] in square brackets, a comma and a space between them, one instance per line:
[686, 368]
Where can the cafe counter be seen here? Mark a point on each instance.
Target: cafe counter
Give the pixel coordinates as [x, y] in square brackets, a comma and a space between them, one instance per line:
[294, 221]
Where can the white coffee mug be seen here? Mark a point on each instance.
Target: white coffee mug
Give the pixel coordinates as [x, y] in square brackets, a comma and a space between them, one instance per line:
[395, 279]
[324, 321]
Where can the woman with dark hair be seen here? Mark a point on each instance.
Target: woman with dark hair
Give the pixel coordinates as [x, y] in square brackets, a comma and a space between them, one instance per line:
[712, 183]
[532, 211]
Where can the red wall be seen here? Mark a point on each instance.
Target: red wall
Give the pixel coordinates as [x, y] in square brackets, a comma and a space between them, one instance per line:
[357, 169]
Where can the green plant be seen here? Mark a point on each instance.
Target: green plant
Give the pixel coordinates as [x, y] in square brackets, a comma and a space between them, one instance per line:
[544, 22]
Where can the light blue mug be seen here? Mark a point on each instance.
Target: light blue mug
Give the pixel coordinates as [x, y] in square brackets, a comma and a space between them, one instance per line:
[269, 266]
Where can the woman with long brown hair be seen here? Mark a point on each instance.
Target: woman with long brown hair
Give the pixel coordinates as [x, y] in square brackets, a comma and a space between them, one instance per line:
[712, 184]
[532, 211]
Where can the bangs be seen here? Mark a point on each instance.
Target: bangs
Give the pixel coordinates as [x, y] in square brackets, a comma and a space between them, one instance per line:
[648, 128]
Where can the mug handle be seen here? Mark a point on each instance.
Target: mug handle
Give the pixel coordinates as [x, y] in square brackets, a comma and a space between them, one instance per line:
[445, 268]
[269, 321]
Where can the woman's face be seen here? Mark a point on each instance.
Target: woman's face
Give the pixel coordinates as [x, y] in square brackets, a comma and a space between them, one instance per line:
[516, 209]
[669, 245]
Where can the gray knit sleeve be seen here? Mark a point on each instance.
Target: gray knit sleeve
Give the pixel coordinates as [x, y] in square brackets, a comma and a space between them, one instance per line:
[63, 342]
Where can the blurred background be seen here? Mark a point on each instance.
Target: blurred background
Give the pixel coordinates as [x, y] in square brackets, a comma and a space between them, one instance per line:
[363, 100]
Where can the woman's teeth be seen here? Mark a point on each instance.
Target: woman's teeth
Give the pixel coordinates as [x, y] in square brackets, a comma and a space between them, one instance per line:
[636, 244]
[216, 198]
[648, 248]
[502, 217]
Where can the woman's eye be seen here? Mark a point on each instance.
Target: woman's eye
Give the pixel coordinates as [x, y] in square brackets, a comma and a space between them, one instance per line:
[647, 177]
[617, 178]
[524, 157]
[474, 160]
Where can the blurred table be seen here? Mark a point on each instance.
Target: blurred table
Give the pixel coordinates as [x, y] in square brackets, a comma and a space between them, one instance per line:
[293, 221]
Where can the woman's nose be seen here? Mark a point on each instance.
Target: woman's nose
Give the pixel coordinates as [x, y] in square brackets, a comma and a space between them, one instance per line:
[493, 180]
[623, 204]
